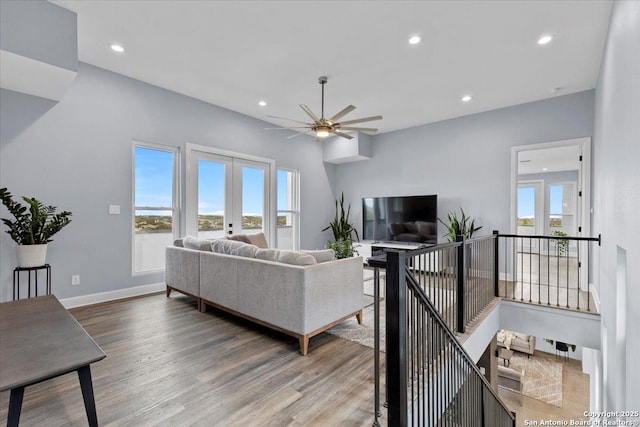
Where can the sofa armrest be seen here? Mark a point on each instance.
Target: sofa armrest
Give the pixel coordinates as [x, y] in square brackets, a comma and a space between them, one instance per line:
[183, 270]
[333, 290]
[532, 344]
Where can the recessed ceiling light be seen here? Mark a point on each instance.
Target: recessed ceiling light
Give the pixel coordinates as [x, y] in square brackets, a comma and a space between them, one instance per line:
[466, 98]
[556, 89]
[414, 40]
[117, 48]
[545, 39]
[545, 169]
[262, 103]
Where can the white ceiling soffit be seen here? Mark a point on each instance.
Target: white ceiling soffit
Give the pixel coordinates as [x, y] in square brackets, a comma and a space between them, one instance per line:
[549, 160]
[236, 53]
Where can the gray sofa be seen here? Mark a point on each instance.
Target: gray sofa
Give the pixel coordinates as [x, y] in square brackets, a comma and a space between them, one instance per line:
[517, 342]
[299, 300]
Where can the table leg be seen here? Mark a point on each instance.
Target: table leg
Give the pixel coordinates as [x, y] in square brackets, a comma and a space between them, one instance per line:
[84, 375]
[15, 406]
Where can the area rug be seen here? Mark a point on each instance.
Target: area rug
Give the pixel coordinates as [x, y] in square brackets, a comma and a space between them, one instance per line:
[542, 378]
[363, 334]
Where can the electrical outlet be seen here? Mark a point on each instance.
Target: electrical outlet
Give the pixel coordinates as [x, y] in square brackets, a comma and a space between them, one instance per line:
[75, 280]
[114, 209]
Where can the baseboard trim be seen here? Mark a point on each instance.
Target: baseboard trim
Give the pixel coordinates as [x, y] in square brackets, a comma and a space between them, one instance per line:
[91, 299]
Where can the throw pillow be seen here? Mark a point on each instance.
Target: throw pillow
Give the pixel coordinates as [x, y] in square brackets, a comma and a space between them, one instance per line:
[178, 243]
[322, 255]
[258, 239]
[296, 258]
[239, 238]
[224, 246]
[191, 242]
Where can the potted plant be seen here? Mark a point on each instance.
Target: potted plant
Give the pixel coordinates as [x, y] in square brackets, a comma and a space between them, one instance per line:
[32, 228]
[562, 245]
[463, 226]
[343, 231]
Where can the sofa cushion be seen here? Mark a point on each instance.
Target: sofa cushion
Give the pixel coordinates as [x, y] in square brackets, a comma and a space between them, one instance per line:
[322, 255]
[522, 337]
[258, 239]
[239, 238]
[296, 258]
[285, 257]
[224, 246]
[191, 242]
[246, 250]
[268, 254]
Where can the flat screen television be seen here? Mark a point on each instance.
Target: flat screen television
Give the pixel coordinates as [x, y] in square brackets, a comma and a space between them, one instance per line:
[400, 219]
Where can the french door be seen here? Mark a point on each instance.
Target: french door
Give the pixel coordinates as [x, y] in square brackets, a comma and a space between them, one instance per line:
[227, 195]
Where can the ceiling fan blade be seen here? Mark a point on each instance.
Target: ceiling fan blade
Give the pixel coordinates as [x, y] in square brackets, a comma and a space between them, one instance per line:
[366, 119]
[360, 129]
[297, 134]
[344, 135]
[341, 114]
[291, 127]
[284, 118]
[309, 112]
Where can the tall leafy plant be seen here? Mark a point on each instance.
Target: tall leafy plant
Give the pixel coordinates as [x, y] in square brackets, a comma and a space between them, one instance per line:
[462, 226]
[34, 224]
[343, 231]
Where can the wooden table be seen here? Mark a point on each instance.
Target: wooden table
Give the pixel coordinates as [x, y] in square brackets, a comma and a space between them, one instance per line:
[40, 340]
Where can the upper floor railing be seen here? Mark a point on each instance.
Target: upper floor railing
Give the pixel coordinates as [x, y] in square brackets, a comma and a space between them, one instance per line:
[548, 270]
[431, 379]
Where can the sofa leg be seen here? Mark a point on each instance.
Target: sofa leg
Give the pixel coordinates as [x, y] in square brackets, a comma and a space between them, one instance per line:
[168, 291]
[359, 317]
[304, 345]
[202, 307]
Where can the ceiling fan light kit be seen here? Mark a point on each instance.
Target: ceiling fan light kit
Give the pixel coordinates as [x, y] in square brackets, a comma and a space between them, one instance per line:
[324, 127]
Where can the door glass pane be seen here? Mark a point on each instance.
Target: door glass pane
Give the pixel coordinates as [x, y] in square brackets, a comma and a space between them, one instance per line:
[526, 210]
[211, 193]
[252, 199]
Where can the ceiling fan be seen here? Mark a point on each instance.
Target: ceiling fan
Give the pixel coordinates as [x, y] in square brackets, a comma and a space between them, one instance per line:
[324, 127]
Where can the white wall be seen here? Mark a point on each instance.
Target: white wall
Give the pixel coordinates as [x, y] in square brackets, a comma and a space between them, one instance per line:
[465, 161]
[617, 205]
[78, 156]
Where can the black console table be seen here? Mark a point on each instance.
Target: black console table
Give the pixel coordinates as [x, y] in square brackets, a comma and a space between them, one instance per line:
[31, 271]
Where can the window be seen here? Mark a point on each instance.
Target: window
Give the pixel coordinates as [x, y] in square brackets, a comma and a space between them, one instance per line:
[288, 211]
[155, 215]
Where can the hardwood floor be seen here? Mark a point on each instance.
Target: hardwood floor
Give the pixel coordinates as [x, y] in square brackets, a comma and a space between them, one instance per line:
[168, 364]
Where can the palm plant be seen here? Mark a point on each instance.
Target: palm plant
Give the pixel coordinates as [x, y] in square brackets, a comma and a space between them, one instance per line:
[463, 226]
[343, 230]
[35, 224]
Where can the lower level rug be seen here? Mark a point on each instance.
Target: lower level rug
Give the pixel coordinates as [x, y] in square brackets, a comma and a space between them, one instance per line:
[542, 378]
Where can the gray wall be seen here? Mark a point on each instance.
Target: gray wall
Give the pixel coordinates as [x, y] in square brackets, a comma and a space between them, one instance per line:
[617, 206]
[465, 161]
[39, 30]
[78, 156]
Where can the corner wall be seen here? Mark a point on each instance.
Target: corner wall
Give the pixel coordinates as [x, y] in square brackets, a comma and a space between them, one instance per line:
[617, 206]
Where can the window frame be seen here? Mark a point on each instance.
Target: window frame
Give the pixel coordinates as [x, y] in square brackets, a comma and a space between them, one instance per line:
[295, 191]
[175, 209]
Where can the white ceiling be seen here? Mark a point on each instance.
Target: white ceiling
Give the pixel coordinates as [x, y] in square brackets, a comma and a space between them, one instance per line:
[235, 53]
